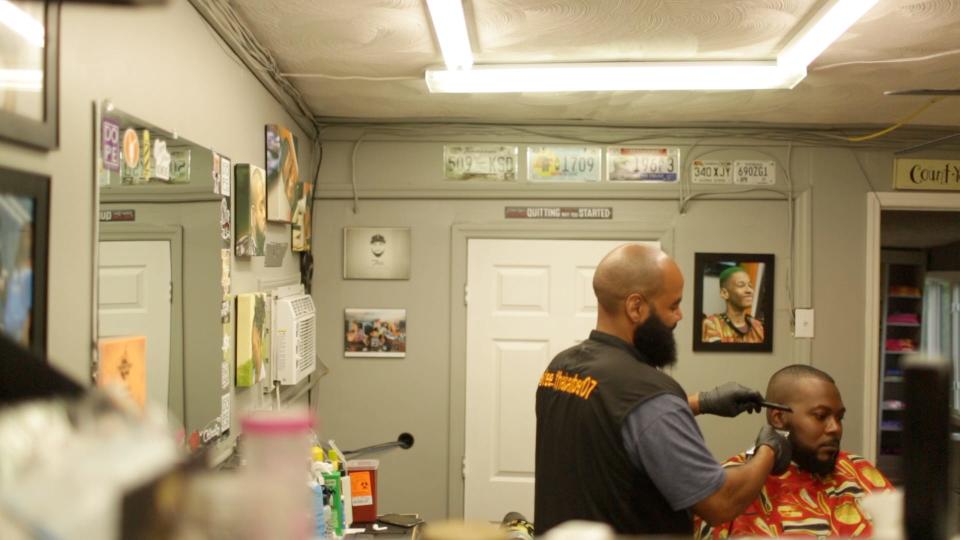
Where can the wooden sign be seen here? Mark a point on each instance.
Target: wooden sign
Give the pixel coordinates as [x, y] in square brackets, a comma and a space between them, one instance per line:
[926, 174]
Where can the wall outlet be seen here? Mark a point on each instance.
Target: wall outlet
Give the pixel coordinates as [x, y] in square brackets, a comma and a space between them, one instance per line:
[803, 323]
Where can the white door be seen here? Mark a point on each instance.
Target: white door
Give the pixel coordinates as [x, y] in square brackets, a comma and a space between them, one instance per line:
[527, 301]
[135, 297]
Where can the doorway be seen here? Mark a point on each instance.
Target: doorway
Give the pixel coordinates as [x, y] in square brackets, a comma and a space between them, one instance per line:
[904, 215]
[135, 296]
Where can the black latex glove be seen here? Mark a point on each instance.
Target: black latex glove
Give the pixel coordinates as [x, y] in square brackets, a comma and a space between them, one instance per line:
[729, 400]
[780, 445]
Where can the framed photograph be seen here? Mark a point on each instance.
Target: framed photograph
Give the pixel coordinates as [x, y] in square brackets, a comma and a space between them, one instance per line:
[30, 50]
[378, 333]
[250, 211]
[283, 173]
[24, 222]
[376, 253]
[733, 296]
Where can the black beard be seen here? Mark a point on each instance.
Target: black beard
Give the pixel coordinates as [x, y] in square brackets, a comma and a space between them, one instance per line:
[655, 341]
[807, 460]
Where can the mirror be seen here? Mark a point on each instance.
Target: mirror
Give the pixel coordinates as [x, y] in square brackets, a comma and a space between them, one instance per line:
[161, 276]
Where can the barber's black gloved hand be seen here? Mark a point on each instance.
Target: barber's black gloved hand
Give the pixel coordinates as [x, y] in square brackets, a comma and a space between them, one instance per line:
[780, 445]
[730, 399]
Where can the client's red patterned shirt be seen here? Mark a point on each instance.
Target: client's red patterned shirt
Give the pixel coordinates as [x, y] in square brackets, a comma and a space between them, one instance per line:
[798, 503]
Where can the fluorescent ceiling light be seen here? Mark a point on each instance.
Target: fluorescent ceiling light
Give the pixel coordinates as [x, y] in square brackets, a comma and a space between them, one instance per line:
[22, 23]
[21, 80]
[614, 76]
[823, 29]
[451, 28]
[786, 71]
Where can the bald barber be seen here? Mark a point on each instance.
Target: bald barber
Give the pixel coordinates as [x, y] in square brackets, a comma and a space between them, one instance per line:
[616, 437]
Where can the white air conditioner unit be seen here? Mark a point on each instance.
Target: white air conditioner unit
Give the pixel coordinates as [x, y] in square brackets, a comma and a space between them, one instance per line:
[294, 334]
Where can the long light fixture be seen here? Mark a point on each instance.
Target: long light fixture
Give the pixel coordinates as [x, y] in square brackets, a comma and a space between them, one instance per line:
[786, 71]
[450, 25]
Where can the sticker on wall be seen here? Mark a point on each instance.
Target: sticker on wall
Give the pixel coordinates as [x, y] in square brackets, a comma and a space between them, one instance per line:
[480, 162]
[558, 212]
[179, 165]
[375, 333]
[276, 251]
[642, 164]
[146, 157]
[224, 375]
[563, 163]
[376, 253]
[225, 413]
[225, 344]
[711, 171]
[161, 160]
[225, 176]
[131, 170]
[110, 144]
[123, 360]
[215, 171]
[225, 274]
[226, 235]
[283, 173]
[762, 173]
[253, 338]
[250, 220]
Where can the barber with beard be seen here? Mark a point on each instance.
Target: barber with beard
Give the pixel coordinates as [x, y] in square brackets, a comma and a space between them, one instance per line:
[616, 438]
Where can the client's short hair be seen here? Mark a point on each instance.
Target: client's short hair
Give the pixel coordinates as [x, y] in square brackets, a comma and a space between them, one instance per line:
[781, 379]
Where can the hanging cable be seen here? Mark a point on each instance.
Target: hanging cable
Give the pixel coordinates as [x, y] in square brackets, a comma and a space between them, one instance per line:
[899, 124]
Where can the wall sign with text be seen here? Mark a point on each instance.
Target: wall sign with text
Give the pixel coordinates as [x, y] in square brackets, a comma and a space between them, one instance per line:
[926, 174]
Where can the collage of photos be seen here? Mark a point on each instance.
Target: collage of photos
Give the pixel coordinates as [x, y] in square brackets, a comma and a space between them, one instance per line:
[375, 333]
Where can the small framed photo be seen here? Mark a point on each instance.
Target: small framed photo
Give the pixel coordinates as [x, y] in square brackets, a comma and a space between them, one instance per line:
[733, 297]
[377, 333]
[376, 253]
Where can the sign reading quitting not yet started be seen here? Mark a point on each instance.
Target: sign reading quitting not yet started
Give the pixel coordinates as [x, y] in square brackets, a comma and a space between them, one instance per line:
[558, 212]
[927, 174]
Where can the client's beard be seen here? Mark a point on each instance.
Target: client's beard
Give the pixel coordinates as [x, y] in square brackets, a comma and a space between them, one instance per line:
[808, 461]
[655, 341]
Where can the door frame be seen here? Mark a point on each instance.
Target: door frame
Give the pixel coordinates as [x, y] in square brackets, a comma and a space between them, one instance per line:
[877, 202]
[658, 228]
[125, 232]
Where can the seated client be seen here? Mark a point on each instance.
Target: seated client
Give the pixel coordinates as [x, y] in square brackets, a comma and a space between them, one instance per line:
[819, 494]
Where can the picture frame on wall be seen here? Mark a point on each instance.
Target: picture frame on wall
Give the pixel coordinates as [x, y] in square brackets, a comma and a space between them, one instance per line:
[376, 253]
[24, 237]
[733, 299]
[375, 333]
[29, 109]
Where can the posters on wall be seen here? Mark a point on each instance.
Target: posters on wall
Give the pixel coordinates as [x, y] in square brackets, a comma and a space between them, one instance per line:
[123, 361]
[376, 253]
[250, 216]
[253, 338]
[283, 173]
[733, 298]
[375, 333]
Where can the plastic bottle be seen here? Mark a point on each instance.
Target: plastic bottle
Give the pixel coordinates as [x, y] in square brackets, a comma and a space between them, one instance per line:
[332, 481]
[319, 503]
[276, 447]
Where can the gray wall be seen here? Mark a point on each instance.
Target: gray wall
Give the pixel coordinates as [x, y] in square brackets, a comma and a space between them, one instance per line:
[363, 401]
[164, 65]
